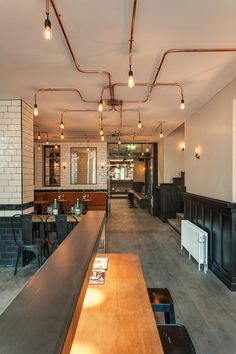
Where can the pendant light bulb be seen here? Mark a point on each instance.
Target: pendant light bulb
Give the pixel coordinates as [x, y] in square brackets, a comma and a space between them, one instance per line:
[36, 111]
[142, 153]
[119, 142]
[62, 124]
[182, 105]
[102, 138]
[101, 132]
[39, 136]
[56, 146]
[62, 135]
[39, 147]
[47, 28]
[47, 142]
[100, 106]
[161, 134]
[147, 149]
[131, 78]
[139, 124]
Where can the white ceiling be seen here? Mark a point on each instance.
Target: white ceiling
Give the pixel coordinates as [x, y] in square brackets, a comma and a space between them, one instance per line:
[99, 33]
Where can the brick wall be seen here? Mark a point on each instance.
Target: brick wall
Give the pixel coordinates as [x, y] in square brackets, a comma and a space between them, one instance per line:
[65, 173]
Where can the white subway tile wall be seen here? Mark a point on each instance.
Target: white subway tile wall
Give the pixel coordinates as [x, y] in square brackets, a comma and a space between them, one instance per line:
[28, 153]
[16, 131]
[10, 152]
[65, 172]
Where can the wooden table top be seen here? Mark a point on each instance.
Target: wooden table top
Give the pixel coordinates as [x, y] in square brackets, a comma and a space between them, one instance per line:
[70, 218]
[41, 202]
[117, 317]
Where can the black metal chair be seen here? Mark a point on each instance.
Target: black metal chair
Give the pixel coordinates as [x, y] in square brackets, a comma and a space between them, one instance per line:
[57, 229]
[23, 237]
[175, 339]
[161, 301]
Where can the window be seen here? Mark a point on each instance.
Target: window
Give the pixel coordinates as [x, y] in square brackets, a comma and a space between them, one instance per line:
[52, 165]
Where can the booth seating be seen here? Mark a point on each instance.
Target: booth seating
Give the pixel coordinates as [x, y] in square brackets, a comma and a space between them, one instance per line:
[138, 192]
[97, 200]
[175, 339]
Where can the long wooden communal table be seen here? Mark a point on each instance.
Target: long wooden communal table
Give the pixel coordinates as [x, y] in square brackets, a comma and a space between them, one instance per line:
[117, 317]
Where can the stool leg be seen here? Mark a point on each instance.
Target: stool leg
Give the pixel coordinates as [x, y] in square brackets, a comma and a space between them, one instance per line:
[170, 316]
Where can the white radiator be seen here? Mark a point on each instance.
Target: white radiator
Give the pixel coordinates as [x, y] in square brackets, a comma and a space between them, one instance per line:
[195, 241]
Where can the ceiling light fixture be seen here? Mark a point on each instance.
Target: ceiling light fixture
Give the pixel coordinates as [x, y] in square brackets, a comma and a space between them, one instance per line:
[62, 135]
[39, 147]
[147, 149]
[100, 106]
[139, 122]
[36, 111]
[39, 136]
[62, 124]
[56, 146]
[161, 134]
[47, 23]
[101, 130]
[102, 138]
[47, 142]
[182, 104]
[131, 78]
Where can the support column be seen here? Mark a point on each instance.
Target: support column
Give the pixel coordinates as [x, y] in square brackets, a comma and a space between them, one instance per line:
[16, 170]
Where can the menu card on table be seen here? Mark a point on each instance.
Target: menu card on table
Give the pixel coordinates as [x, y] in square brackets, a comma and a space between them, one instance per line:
[99, 270]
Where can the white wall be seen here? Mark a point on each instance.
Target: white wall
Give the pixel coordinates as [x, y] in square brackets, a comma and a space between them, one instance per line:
[211, 129]
[65, 173]
[173, 154]
[170, 156]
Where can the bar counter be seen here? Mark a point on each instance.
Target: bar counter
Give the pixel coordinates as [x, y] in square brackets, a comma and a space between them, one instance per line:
[117, 317]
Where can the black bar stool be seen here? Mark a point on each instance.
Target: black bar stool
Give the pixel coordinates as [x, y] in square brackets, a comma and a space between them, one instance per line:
[161, 301]
[175, 339]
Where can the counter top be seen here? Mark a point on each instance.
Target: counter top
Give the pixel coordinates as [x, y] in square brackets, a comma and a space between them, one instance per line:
[117, 317]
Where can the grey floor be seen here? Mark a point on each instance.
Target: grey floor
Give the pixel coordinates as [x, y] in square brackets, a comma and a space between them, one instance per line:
[202, 303]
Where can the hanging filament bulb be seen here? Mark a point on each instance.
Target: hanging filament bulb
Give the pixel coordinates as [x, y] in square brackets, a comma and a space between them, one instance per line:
[39, 136]
[147, 149]
[102, 138]
[56, 146]
[39, 147]
[62, 124]
[119, 142]
[100, 106]
[47, 27]
[182, 105]
[101, 132]
[36, 111]
[131, 78]
[47, 142]
[161, 134]
[62, 135]
[139, 124]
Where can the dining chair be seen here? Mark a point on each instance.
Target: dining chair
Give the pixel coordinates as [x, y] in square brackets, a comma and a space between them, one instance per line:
[57, 228]
[23, 237]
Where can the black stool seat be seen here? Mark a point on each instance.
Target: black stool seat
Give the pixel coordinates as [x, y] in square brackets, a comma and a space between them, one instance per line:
[175, 339]
[161, 301]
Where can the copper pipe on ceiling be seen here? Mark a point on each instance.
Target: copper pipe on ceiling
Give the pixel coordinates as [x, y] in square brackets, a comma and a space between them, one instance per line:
[85, 71]
[131, 38]
[145, 84]
[196, 50]
[62, 90]
[83, 110]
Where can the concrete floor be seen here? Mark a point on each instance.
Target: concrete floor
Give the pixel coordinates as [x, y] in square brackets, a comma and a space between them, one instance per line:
[202, 303]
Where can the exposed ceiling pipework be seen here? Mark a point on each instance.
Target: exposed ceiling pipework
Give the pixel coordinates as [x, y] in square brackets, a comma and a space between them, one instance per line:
[112, 101]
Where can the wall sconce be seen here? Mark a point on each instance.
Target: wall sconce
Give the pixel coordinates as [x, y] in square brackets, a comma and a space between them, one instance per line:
[182, 146]
[64, 165]
[197, 153]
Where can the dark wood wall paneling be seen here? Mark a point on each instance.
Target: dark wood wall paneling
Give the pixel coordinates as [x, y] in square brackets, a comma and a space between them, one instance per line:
[218, 219]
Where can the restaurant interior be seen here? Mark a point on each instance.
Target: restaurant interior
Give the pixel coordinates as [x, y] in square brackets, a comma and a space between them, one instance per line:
[117, 177]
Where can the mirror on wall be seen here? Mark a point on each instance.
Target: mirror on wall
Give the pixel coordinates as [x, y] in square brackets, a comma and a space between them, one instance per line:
[83, 165]
[52, 165]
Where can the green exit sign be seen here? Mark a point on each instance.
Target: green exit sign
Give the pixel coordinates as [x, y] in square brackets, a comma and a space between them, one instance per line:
[131, 147]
